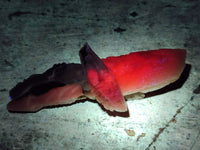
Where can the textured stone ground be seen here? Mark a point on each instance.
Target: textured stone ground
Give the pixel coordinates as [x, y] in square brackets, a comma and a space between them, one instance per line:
[35, 35]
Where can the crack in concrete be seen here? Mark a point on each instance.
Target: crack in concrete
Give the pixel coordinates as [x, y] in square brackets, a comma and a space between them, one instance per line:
[173, 120]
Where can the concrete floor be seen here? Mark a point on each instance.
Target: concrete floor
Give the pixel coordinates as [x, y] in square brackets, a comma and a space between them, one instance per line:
[34, 35]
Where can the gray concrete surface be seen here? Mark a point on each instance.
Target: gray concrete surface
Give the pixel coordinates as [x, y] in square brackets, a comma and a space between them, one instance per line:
[34, 35]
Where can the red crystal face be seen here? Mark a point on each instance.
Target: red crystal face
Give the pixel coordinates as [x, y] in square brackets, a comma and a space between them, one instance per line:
[146, 70]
